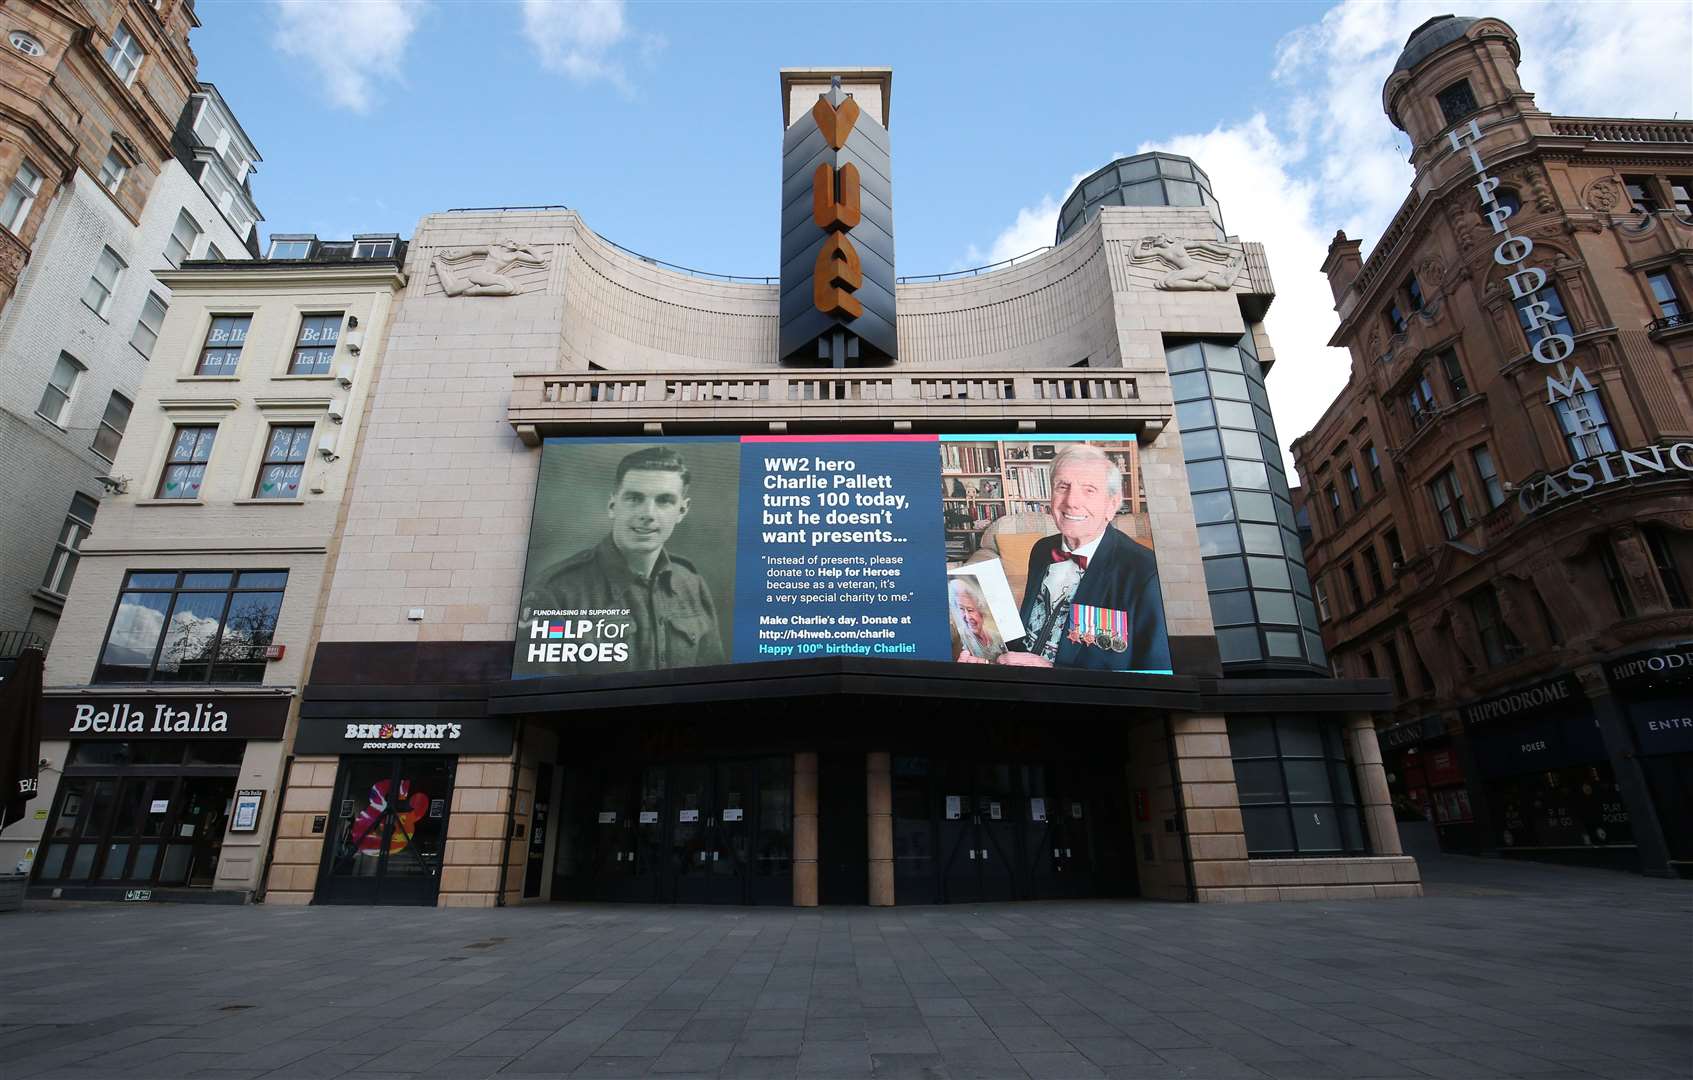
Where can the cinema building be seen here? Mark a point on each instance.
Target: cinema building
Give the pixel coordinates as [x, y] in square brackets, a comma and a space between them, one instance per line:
[837, 587]
[1500, 498]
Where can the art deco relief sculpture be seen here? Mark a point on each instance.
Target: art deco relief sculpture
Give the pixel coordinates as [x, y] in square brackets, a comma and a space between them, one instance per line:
[459, 276]
[1193, 263]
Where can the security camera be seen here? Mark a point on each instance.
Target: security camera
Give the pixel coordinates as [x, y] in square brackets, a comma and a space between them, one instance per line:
[114, 485]
[337, 410]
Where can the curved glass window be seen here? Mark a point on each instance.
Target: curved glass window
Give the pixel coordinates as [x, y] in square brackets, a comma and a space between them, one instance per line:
[1295, 781]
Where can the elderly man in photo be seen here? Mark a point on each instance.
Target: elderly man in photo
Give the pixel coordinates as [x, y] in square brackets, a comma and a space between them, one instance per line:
[672, 620]
[1092, 598]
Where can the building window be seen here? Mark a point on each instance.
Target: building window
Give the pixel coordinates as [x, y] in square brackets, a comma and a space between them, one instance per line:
[1681, 194]
[26, 43]
[20, 197]
[112, 425]
[213, 253]
[1553, 633]
[1640, 196]
[1352, 588]
[1663, 558]
[1490, 486]
[185, 469]
[1371, 669]
[192, 627]
[1295, 786]
[1372, 568]
[182, 239]
[1414, 292]
[1456, 101]
[1396, 319]
[1419, 401]
[67, 550]
[224, 338]
[290, 249]
[1394, 668]
[1497, 642]
[1395, 553]
[113, 170]
[1372, 461]
[1449, 503]
[1454, 372]
[146, 333]
[124, 54]
[1614, 579]
[1664, 295]
[314, 348]
[108, 268]
[1537, 325]
[1353, 490]
[1334, 505]
[1582, 416]
[56, 399]
[1323, 611]
[380, 249]
[285, 462]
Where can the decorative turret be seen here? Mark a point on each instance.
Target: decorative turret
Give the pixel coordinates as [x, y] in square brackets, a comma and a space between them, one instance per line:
[1454, 69]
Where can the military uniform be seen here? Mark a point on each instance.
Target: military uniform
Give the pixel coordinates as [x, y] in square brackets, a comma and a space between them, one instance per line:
[672, 621]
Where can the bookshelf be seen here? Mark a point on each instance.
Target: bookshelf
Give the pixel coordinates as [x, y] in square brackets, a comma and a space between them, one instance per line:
[983, 481]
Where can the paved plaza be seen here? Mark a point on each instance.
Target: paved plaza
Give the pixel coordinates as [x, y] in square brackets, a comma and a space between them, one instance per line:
[1502, 971]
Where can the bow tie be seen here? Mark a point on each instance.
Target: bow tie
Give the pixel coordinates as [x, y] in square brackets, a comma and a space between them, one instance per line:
[1059, 555]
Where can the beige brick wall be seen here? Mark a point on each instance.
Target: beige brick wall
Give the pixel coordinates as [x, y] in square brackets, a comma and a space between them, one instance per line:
[478, 828]
[299, 851]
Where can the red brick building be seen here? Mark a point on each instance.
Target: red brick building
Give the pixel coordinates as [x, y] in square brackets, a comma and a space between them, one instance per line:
[1501, 499]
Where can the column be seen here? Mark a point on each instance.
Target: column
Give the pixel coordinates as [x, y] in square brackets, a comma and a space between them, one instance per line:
[1371, 780]
[879, 800]
[805, 829]
[1210, 808]
[1649, 837]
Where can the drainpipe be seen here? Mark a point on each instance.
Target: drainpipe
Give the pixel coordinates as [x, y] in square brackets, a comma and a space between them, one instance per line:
[511, 814]
[275, 827]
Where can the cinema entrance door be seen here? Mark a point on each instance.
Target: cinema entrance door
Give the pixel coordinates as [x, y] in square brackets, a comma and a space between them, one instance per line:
[689, 831]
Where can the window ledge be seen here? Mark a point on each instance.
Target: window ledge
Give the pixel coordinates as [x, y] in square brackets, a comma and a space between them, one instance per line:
[51, 599]
[170, 502]
[326, 376]
[62, 429]
[270, 502]
[208, 378]
[97, 314]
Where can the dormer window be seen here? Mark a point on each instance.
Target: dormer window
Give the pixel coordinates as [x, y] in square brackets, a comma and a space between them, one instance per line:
[1457, 101]
[124, 54]
[373, 249]
[290, 249]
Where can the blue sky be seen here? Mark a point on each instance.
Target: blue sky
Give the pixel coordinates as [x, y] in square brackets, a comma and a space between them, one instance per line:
[661, 122]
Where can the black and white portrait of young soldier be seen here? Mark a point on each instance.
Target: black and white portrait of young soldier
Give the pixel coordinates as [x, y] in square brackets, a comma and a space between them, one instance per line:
[672, 616]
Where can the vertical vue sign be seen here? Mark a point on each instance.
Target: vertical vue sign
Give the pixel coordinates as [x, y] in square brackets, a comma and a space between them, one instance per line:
[837, 305]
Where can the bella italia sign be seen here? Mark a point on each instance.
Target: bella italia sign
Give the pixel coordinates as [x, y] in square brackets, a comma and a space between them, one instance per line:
[156, 716]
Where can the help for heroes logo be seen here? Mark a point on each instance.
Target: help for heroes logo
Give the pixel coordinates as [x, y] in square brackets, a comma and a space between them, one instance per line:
[572, 640]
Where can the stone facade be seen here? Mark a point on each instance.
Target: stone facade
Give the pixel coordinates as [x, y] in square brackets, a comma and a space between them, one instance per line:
[229, 526]
[1504, 593]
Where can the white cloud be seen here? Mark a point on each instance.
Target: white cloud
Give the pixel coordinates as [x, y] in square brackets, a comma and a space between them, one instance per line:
[1332, 160]
[584, 39]
[351, 44]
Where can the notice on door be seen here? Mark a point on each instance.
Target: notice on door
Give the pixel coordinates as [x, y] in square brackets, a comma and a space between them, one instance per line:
[954, 805]
[649, 817]
[732, 814]
[159, 806]
[1037, 809]
[608, 817]
[993, 810]
[688, 816]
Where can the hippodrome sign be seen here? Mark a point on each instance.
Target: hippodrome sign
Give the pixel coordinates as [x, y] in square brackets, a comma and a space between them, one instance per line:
[1525, 283]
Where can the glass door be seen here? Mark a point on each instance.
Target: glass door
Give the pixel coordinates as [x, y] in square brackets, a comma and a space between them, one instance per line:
[1042, 844]
[771, 878]
[914, 829]
[998, 819]
[389, 832]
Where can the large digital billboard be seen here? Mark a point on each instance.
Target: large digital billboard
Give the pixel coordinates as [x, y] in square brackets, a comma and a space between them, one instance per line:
[652, 554]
